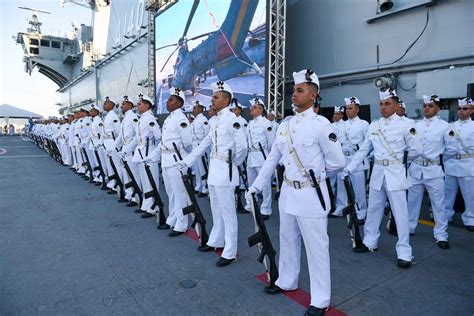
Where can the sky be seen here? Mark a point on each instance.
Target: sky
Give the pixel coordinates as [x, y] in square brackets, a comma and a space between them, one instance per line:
[34, 93]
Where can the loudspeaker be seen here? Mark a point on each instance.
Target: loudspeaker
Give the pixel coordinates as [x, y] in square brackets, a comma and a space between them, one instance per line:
[470, 90]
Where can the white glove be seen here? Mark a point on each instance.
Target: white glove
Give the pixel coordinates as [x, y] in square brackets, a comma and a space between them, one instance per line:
[344, 173]
[181, 166]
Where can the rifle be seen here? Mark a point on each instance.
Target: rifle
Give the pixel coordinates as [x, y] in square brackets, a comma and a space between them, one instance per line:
[441, 161]
[193, 208]
[117, 179]
[100, 168]
[132, 183]
[351, 214]
[157, 201]
[266, 251]
[230, 165]
[332, 198]
[262, 151]
[318, 188]
[88, 165]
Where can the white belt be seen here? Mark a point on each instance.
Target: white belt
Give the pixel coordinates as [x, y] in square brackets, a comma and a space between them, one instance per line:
[107, 137]
[348, 153]
[169, 151]
[220, 157]
[462, 156]
[299, 184]
[426, 162]
[253, 150]
[387, 162]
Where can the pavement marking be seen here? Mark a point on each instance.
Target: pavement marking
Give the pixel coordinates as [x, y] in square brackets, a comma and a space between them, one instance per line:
[28, 156]
[2, 151]
[425, 222]
[301, 297]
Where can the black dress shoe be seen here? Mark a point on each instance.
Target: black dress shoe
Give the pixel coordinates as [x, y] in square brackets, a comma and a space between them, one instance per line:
[272, 289]
[202, 194]
[122, 200]
[242, 211]
[175, 233]
[205, 248]
[147, 215]
[222, 262]
[163, 226]
[315, 311]
[363, 248]
[130, 204]
[265, 217]
[403, 264]
[139, 211]
[330, 215]
[97, 184]
[443, 244]
[361, 222]
[111, 192]
[470, 228]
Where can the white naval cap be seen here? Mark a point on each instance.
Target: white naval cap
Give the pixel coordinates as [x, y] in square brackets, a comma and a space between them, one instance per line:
[430, 98]
[352, 100]
[306, 75]
[235, 103]
[465, 101]
[126, 98]
[221, 86]
[256, 101]
[387, 94]
[178, 92]
[145, 97]
[339, 109]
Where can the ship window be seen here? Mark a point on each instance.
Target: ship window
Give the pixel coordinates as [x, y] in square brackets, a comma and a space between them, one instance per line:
[33, 41]
[55, 44]
[44, 43]
[34, 50]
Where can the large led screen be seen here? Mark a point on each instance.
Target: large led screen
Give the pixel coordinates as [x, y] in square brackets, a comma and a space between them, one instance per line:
[201, 42]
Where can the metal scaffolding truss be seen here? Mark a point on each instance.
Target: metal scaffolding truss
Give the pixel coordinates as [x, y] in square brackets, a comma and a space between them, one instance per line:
[275, 77]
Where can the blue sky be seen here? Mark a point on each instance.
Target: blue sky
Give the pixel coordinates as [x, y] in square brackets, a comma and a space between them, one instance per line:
[35, 93]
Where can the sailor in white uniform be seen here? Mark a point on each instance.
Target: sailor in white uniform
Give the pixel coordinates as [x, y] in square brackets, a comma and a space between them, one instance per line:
[426, 171]
[260, 136]
[336, 182]
[96, 144]
[389, 137]
[147, 152]
[310, 152]
[127, 142]
[199, 130]
[110, 134]
[459, 169]
[176, 138]
[351, 137]
[228, 150]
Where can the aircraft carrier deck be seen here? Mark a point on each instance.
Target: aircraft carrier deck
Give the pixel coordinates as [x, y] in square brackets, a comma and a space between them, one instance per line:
[68, 248]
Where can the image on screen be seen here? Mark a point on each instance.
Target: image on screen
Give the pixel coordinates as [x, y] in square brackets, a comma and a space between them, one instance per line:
[201, 42]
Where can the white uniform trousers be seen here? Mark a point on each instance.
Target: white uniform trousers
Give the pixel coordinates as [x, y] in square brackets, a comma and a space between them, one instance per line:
[66, 154]
[80, 160]
[118, 165]
[435, 188]
[136, 174]
[224, 232]
[199, 171]
[146, 186]
[466, 184]
[92, 160]
[358, 184]
[266, 206]
[177, 199]
[316, 240]
[103, 160]
[375, 211]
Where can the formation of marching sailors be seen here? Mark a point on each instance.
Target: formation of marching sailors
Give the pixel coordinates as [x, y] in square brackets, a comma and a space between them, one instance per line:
[131, 154]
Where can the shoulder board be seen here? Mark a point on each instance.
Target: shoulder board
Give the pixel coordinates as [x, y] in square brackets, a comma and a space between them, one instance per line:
[205, 123]
[413, 131]
[101, 124]
[245, 125]
[332, 137]
[152, 124]
[135, 120]
[87, 124]
[115, 121]
[269, 128]
[236, 125]
[451, 133]
[183, 124]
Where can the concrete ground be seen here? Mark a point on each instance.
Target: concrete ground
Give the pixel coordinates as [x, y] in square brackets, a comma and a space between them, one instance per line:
[68, 248]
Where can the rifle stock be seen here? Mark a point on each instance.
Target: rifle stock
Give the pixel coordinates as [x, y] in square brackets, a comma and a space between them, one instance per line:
[351, 215]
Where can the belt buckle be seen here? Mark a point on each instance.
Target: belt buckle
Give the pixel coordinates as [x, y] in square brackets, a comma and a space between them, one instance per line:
[297, 184]
[385, 162]
[457, 156]
[425, 163]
